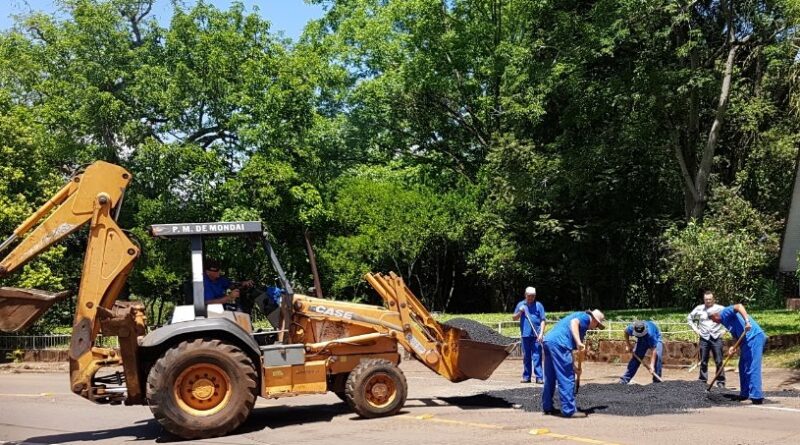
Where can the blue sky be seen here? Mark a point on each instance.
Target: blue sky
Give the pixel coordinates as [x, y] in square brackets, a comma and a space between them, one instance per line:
[289, 16]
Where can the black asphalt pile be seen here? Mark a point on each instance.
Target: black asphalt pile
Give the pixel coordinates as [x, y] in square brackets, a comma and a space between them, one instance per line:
[480, 332]
[674, 396]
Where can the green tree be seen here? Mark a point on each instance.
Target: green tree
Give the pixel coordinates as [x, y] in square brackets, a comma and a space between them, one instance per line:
[727, 252]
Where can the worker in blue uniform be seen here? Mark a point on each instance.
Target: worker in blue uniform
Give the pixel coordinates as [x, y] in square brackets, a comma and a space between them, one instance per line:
[648, 338]
[530, 314]
[566, 336]
[738, 322]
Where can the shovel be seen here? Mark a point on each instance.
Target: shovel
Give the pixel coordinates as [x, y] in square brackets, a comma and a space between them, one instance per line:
[647, 367]
[722, 368]
[579, 370]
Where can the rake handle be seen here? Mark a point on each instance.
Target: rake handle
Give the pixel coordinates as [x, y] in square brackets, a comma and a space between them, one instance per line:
[648, 368]
[528, 316]
[579, 371]
[724, 363]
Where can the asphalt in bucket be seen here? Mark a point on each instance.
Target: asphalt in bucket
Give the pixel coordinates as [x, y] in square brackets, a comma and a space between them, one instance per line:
[480, 332]
[669, 397]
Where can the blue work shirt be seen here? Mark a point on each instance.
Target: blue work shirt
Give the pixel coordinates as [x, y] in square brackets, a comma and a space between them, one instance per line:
[561, 333]
[653, 337]
[215, 289]
[536, 313]
[734, 323]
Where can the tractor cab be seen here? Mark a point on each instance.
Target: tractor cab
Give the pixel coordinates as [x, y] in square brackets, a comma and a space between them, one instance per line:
[197, 233]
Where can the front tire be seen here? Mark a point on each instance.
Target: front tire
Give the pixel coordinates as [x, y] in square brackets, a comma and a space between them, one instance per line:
[376, 388]
[202, 388]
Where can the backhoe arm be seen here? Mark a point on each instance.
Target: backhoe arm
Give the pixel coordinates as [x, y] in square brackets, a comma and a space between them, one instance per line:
[102, 184]
[88, 198]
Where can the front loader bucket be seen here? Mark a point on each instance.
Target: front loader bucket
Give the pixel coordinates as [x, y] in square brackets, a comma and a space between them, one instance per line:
[478, 360]
[470, 359]
[19, 308]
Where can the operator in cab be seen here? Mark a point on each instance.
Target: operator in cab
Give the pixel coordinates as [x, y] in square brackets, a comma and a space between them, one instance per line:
[218, 289]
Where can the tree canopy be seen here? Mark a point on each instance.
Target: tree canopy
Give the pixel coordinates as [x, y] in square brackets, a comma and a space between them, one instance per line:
[612, 153]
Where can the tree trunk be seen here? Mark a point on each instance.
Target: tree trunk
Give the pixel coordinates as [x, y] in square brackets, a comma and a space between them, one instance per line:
[701, 180]
[312, 259]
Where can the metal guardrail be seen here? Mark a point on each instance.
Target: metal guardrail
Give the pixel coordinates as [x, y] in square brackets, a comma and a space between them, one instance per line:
[614, 329]
[49, 342]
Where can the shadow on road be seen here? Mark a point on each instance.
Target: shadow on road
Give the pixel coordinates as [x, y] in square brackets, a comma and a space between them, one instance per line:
[477, 401]
[141, 430]
[274, 417]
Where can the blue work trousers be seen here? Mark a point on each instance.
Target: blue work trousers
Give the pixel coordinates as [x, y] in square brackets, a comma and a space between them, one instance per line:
[750, 368]
[633, 365]
[558, 371]
[531, 358]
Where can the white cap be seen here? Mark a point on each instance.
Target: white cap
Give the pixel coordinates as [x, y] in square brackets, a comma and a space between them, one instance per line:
[530, 290]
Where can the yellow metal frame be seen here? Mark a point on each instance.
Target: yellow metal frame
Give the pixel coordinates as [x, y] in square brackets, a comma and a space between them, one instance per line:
[377, 330]
[90, 197]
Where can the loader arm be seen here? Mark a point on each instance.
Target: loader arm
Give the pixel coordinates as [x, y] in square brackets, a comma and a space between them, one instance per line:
[89, 197]
[446, 350]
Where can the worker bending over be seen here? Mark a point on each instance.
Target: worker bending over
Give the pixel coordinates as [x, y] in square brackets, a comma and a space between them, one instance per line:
[736, 320]
[566, 336]
[648, 338]
[530, 314]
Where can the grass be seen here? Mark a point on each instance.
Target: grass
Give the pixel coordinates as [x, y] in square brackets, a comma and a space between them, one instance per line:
[783, 358]
[774, 322]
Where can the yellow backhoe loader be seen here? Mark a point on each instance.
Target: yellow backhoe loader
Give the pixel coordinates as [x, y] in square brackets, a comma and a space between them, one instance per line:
[201, 373]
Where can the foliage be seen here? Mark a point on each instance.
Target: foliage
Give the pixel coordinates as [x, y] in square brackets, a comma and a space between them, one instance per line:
[16, 355]
[381, 219]
[725, 253]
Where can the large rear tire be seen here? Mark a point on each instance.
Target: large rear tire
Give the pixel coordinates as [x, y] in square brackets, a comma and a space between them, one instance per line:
[202, 388]
[376, 388]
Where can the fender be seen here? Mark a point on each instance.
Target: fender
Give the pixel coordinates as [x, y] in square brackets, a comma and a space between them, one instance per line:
[218, 328]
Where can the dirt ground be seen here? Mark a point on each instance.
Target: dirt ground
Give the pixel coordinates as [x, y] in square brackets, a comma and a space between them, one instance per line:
[36, 407]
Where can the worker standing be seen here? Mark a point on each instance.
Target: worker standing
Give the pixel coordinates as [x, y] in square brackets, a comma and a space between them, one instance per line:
[648, 338]
[738, 322]
[710, 333]
[566, 336]
[531, 316]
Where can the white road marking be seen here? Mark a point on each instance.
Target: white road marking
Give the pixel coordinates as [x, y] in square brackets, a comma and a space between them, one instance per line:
[776, 408]
[25, 443]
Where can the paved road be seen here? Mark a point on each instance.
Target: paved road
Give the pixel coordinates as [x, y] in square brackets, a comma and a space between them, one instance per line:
[38, 409]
